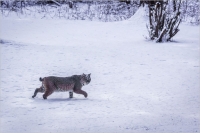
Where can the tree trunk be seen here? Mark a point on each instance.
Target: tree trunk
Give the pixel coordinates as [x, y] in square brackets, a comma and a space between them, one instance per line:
[163, 26]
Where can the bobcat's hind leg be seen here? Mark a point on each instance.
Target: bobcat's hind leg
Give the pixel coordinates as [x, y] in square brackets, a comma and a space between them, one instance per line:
[50, 87]
[41, 89]
[47, 93]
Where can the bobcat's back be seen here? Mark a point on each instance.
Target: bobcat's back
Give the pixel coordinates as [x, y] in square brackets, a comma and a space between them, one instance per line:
[60, 83]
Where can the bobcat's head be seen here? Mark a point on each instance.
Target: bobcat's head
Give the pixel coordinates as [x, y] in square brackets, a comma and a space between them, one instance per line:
[85, 79]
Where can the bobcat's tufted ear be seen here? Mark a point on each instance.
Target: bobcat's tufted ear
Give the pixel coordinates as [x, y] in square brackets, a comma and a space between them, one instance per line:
[89, 74]
[83, 75]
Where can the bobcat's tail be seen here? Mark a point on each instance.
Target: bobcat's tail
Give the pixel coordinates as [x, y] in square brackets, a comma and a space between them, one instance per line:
[41, 79]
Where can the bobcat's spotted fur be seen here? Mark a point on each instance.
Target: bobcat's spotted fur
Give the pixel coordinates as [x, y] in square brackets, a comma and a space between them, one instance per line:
[73, 84]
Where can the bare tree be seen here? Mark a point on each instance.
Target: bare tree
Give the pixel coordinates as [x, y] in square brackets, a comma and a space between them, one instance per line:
[162, 24]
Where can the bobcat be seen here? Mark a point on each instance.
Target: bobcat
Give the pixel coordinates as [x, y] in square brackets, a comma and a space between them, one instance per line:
[58, 84]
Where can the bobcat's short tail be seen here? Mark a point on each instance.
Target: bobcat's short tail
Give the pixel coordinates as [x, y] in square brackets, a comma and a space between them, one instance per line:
[41, 79]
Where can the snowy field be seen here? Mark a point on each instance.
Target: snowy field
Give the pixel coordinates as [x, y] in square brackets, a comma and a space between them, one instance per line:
[137, 85]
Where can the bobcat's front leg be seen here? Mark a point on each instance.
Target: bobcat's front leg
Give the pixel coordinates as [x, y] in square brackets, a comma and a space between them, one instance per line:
[81, 92]
[41, 89]
[70, 94]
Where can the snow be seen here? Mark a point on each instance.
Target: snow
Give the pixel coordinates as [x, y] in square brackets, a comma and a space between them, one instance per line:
[137, 85]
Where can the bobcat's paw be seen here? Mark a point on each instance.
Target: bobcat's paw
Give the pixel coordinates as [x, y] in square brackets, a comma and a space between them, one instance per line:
[44, 97]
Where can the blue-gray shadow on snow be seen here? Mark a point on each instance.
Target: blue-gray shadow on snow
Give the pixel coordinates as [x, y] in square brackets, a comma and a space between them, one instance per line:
[40, 99]
[66, 99]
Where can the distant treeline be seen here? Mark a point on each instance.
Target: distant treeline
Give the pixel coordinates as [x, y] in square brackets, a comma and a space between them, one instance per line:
[22, 3]
[102, 10]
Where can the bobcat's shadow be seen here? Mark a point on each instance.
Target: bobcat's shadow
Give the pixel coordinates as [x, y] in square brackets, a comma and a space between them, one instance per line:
[66, 99]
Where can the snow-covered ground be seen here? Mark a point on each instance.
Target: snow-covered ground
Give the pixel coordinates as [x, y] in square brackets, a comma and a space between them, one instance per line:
[137, 85]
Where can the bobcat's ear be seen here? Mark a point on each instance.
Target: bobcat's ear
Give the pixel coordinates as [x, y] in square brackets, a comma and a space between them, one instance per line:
[89, 74]
[83, 75]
